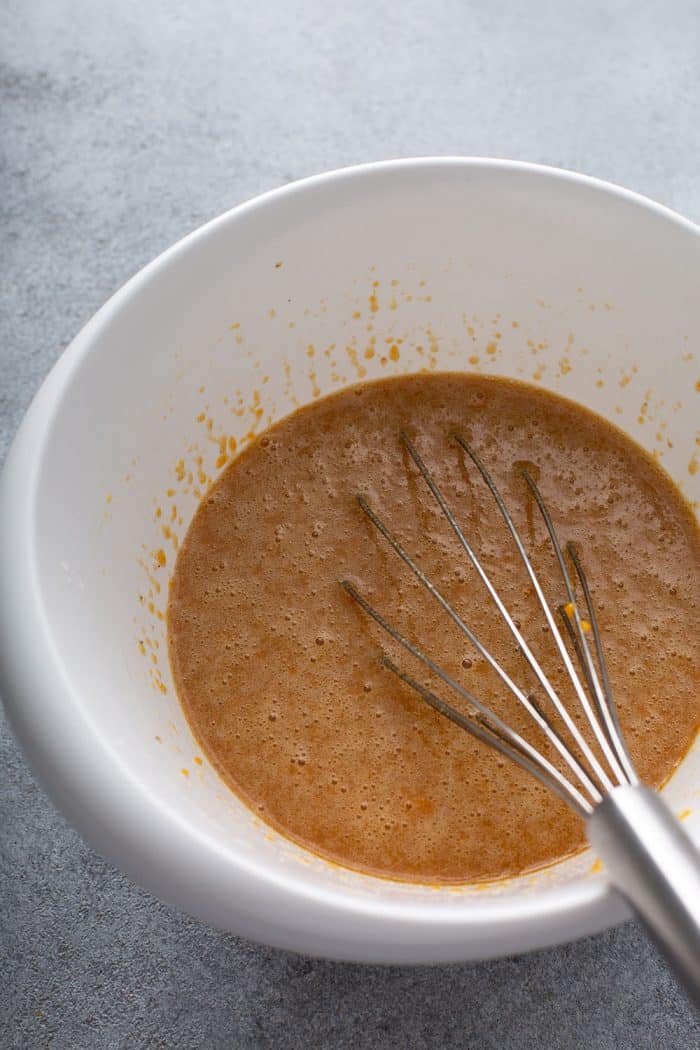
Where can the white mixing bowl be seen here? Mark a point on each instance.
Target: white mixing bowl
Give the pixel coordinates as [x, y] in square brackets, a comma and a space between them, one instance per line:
[472, 265]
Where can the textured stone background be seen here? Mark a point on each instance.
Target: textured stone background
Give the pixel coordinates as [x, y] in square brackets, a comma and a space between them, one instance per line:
[123, 126]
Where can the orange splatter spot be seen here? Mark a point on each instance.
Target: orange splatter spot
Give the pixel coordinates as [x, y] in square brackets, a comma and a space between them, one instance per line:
[697, 386]
[221, 461]
[693, 466]
[278, 265]
[394, 352]
[359, 368]
[158, 512]
[492, 348]
[159, 739]
[515, 324]
[565, 366]
[185, 772]
[356, 315]
[201, 417]
[142, 648]
[109, 497]
[232, 444]
[369, 353]
[596, 867]
[235, 326]
[474, 359]
[570, 609]
[160, 558]
[684, 814]
[180, 469]
[197, 759]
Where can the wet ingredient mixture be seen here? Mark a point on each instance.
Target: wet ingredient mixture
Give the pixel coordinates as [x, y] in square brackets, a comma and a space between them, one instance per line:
[278, 669]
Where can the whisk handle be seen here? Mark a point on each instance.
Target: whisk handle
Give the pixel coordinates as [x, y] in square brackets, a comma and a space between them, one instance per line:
[651, 860]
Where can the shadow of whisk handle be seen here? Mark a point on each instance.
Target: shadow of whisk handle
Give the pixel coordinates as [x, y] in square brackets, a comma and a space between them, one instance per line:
[652, 862]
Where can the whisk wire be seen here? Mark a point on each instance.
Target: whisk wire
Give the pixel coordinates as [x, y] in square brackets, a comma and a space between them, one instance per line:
[590, 756]
[514, 748]
[554, 698]
[609, 708]
[522, 698]
[587, 662]
[495, 724]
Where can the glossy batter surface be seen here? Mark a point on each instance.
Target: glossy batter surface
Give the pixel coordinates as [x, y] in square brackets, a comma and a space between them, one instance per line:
[278, 670]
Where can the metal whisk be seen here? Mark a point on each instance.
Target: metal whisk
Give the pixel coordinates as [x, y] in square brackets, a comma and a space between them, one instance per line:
[647, 855]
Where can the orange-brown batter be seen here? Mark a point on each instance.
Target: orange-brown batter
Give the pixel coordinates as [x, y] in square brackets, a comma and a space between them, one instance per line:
[278, 670]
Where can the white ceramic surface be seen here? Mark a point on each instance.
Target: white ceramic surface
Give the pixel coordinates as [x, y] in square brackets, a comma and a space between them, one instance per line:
[460, 264]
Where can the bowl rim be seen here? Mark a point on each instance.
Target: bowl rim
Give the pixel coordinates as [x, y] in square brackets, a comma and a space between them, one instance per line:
[124, 818]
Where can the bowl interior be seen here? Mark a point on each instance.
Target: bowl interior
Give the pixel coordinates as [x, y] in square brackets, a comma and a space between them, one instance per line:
[476, 267]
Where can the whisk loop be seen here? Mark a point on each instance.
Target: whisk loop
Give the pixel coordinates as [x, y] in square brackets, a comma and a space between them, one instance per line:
[589, 776]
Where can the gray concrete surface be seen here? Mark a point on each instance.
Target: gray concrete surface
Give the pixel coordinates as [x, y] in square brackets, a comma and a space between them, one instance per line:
[123, 126]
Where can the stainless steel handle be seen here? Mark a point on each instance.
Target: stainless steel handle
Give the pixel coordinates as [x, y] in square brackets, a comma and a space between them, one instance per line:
[651, 860]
